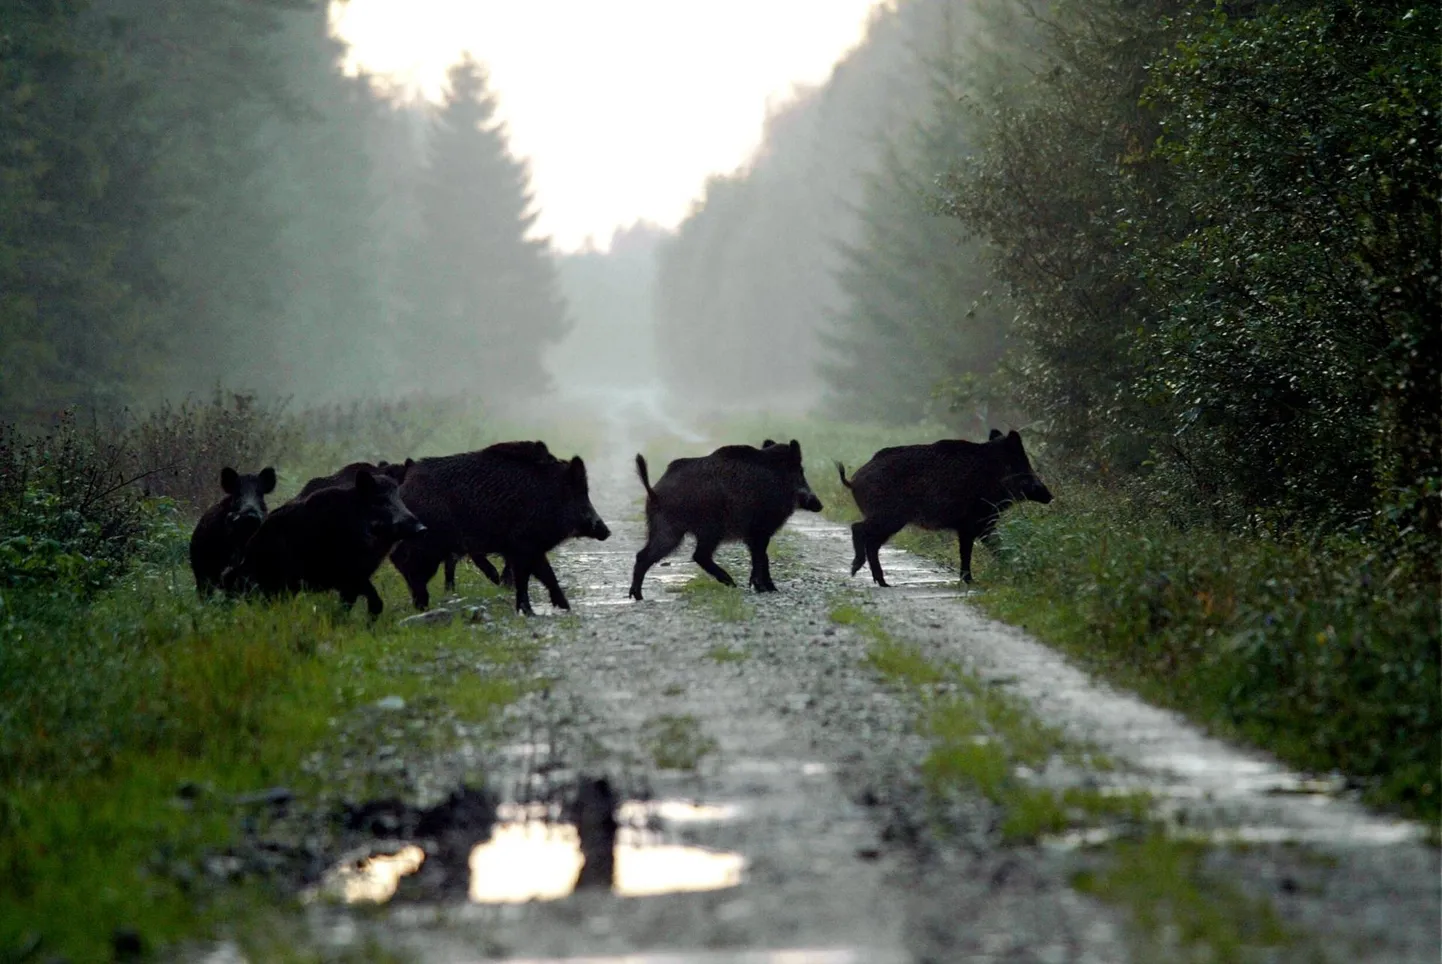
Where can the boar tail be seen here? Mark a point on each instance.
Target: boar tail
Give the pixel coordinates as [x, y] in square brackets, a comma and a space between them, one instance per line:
[645, 479]
[841, 471]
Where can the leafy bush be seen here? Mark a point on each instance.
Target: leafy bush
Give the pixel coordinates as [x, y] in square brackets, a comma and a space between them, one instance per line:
[70, 515]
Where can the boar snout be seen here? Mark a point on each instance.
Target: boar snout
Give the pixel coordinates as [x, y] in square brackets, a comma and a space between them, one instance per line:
[597, 529]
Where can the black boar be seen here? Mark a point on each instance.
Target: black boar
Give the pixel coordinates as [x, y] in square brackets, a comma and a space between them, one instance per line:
[227, 526]
[334, 538]
[737, 493]
[346, 476]
[514, 499]
[951, 484]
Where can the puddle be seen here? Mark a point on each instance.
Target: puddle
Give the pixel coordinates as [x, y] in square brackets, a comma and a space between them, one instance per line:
[372, 880]
[534, 860]
[531, 855]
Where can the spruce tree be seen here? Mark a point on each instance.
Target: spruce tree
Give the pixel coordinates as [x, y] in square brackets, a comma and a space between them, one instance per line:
[485, 300]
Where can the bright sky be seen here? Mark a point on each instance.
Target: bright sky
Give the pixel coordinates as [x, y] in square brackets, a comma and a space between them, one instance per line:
[623, 107]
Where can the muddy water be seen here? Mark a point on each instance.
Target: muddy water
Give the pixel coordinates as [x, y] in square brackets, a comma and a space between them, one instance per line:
[800, 835]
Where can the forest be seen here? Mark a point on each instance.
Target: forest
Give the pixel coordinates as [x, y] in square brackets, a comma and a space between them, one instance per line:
[1189, 249]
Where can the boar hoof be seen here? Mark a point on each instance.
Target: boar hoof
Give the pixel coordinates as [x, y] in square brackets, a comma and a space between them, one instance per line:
[636, 593]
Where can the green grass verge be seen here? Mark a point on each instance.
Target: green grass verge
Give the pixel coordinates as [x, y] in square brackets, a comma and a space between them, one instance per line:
[107, 707]
[980, 737]
[1182, 912]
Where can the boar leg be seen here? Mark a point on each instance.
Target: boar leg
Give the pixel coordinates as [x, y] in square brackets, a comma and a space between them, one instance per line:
[661, 543]
[965, 538]
[705, 550]
[487, 570]
[521, 566]
[876, 533]
[547, 575]
[760, 564]
[417, 562]
[858, 542]
[373, 599]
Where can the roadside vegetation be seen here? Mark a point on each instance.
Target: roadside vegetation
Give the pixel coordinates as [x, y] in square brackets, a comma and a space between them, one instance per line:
[134, 714]
[984, 741]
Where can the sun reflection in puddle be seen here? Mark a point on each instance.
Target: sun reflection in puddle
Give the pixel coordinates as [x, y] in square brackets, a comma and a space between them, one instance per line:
[533, 860]
[531, 856]
[374, 879]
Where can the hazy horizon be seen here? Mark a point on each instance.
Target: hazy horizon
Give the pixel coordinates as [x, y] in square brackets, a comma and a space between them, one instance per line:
[607, 145]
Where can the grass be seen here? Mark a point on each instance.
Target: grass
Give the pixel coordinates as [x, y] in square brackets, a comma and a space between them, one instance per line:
[979, 740]
[1181, 912]
[981, 737]
[675, 742]
[725, 654]
[109, 707]
[726, 603]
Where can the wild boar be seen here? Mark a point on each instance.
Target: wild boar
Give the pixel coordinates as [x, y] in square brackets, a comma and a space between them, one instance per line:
[514, 499]
[334, 538]
[346, 475]
[737, 493]
[227, 526]
[950, 484]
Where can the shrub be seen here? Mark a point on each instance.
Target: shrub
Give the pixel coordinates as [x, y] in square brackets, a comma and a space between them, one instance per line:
[179, 450]
[70, 515]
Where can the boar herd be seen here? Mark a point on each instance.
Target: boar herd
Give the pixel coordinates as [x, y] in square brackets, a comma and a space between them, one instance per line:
[518, 501]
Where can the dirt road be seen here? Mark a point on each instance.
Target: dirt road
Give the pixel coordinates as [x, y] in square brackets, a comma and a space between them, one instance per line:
[778, 811]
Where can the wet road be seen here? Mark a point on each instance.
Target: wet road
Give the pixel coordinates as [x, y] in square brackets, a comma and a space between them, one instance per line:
[800, 834]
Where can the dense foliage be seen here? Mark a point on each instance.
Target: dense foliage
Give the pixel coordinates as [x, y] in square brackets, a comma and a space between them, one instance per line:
[204, 197]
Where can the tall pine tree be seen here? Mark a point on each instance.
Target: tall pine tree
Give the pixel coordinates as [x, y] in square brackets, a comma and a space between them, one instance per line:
[484, 296]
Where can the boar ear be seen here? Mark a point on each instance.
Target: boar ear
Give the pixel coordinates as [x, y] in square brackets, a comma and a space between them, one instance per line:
[796, 451]
[365, 483]
[768, 443]
[267, 480]
[410, 462]
[228, 478]
[995, 434]
[576, 470]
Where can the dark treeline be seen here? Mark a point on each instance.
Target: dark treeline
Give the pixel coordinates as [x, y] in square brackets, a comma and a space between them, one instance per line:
[1192, 245]
[198, 195]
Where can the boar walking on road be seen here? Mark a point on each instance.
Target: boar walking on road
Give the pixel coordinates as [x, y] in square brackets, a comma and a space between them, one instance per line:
[950, 484]
[227, 526]
[514, 499]
[737, 493]
[346, 476]
[334, 538]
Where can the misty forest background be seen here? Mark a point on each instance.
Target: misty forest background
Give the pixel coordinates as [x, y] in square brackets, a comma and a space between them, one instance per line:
[1190, 249]
[1192, 243]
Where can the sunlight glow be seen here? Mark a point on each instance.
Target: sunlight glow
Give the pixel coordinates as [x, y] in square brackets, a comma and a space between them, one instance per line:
[624, 108]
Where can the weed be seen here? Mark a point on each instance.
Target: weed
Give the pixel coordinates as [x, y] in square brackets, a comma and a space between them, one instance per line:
[726, 603]
[1180, 913]
[676, 742]
[725, 654]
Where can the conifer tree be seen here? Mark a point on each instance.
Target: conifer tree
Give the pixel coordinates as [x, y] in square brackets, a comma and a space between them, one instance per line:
[484, 296]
